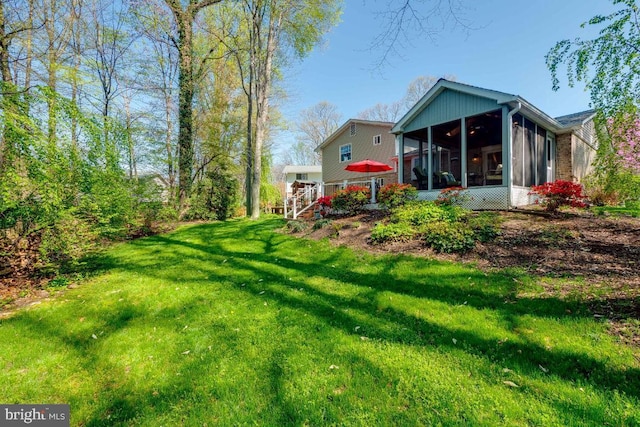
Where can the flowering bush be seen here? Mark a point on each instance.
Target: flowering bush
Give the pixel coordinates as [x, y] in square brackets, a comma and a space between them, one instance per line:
[325, 201]
[559, 193]
[624, 130]
[352, 199]
[393, 195]
[452, 196]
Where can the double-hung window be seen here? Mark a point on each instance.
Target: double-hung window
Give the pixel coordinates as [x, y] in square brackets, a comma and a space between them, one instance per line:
[345, 153]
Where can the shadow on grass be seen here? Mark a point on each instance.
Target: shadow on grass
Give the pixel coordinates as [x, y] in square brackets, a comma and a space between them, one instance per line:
[495, 292]
[255, 248]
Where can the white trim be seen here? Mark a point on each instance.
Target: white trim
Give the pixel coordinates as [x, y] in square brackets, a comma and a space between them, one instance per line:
[340, 153]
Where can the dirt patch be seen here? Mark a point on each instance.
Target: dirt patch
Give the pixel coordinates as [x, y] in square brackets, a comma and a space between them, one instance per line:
[597, 257]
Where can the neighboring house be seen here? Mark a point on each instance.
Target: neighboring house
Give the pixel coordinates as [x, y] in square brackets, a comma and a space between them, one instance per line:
[354, 141]
[496, 144]
[301, 174]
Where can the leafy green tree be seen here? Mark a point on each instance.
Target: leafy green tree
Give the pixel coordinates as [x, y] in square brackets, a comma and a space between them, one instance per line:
[184, 17]
[608, 64]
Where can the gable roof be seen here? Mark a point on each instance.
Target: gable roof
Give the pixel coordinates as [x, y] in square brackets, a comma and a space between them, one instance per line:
[346, 125]
[501, 98]
[576, 119]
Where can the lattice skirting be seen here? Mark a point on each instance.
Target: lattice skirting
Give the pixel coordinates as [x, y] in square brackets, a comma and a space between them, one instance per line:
[489, 198]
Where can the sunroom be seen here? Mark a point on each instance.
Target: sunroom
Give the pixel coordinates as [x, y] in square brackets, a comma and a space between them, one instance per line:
[494, 144]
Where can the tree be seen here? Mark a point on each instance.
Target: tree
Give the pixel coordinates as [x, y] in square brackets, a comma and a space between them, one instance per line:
[184, 17]
[316, 124]
[274, 29]
[404, 22]
[608, 64]
[394, 111]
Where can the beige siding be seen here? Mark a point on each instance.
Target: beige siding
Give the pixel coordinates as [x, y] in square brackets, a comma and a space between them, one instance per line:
[583, 156]
[361, 148]
[576, 153]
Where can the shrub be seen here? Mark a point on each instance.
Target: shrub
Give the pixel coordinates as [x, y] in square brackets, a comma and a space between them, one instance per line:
[394, 195]
[352, 199]
[421, 213]
[321, 223]
[392, 232]
[448, 237]
[325, 201]
[296, 226]
[484, 226]
[452, 196]
[559, 193]
[67, 241]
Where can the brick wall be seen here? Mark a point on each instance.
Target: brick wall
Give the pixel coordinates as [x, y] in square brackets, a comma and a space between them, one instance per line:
[564, 168]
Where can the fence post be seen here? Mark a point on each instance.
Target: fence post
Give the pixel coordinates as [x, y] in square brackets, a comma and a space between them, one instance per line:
[295, 207]
[286, 201]
[373, 190]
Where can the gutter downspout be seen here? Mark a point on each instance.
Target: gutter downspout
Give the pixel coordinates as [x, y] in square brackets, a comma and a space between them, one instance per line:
[509, 145]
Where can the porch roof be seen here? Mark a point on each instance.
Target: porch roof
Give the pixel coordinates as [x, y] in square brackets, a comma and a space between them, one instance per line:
[501, 98]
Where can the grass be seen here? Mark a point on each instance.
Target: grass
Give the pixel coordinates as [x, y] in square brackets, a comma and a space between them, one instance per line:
[632, 211]
[234, 324]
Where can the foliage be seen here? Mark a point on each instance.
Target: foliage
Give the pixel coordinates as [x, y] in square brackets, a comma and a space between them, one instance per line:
[392, 232]
[325, 201]
[624, 133]
[321, 223]
[351, 199]
[214, 197]
[66, 199]
[449, 237]
[484, 225]
[297, 226]
[559, 193]
[444, 227]
[418, 213]
[608, 63]
[393, 195]
[452, 196]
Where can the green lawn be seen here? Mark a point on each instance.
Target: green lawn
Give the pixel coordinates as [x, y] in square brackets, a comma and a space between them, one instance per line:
[235, 324]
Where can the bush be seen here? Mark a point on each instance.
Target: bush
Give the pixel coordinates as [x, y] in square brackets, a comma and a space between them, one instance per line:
[321, 223]
[449, 237]
[352, 199]
[393, 232]
[297, 226]
[484, 226]
[559, 193]
[325, 201]
[452, 196]
[421, 213]
[394, 195]
[67, 241]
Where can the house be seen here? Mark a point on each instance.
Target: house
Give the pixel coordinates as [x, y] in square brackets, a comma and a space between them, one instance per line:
[300, 175]
[496, 144]
[354, 141]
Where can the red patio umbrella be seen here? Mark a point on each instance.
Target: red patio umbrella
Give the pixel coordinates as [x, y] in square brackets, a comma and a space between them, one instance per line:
[368, 166]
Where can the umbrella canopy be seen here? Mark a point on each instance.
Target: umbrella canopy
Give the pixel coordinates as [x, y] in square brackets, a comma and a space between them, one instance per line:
[368, 166]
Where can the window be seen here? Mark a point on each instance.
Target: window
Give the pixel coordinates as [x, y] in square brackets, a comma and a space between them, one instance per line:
[353, 129]
[302, 176]
[345, 153]
[377, 140]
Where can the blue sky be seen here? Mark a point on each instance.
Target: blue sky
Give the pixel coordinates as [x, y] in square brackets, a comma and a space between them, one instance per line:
[503, 51]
